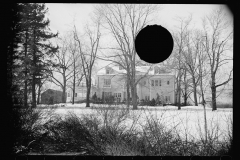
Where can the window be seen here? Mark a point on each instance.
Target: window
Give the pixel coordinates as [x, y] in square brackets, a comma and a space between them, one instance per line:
[168, 82]
[156, 82]
[156, 71]
[107, 94]
[75, 94]
[119, 95]
[167, 99]
[159, 82]
[152, 82]
[107, 71]
[68, 94]
[107, 83]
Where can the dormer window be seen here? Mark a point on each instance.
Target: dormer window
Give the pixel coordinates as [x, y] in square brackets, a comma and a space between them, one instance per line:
[156, 71]
[108, 71]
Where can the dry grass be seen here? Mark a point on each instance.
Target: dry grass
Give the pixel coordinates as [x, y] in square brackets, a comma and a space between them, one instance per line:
[118, 132]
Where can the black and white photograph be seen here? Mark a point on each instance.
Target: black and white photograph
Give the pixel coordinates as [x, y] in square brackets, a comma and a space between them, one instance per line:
[105, 79]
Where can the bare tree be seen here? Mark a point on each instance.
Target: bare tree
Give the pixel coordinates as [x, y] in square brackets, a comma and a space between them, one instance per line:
[124, 21]
[61, 66]
[88, 54]
[180, 41]
[203, 71]
[186, 92]
[191, 60]
[217, 41]
[76, 67]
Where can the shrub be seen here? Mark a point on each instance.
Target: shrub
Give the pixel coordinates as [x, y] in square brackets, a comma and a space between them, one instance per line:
[73, 134]
[83, 101]
[108, 132]
[152, 102]
[28, 128]
[94, 98]
[224, 105]
[109, 100]
[142, 102]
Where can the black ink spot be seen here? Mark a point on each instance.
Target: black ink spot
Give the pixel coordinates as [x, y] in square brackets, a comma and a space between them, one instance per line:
[154, 44]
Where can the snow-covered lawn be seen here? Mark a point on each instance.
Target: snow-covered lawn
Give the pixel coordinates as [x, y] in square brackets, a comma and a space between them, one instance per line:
[189, 121]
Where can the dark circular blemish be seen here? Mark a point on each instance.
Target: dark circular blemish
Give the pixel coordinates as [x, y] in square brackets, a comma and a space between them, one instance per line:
[154, 44]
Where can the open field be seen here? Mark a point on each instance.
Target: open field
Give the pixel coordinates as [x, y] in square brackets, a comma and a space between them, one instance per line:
[118, 130]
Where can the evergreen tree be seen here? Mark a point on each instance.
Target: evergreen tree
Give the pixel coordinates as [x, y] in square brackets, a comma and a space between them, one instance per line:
[35, 34]
[12, 39]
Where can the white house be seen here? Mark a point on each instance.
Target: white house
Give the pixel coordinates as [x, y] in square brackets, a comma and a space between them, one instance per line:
[111, 80]
[80, 91]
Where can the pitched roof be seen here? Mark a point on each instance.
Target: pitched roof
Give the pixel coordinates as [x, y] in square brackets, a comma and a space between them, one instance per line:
[139, 70]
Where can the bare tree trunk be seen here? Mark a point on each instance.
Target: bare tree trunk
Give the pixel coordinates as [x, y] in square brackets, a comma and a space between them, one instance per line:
[64, 90]
[185, 87]
[88, 96]
[73, 93]
[185, 97]
[213, 88]
[179, 97]
[134, 97]
[74, 81]
[179, 91]
[195, 93]
[128, 94]
[39, 91]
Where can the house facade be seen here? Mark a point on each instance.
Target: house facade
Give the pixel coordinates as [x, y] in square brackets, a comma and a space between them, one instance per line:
[80, 92]
[153, 82]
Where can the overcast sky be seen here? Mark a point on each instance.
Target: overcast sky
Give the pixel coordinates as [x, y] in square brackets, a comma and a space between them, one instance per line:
[61, 16]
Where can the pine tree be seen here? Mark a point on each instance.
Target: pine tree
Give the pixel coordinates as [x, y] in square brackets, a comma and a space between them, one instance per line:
[24, 60]
[35, 34]
[12, 39]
